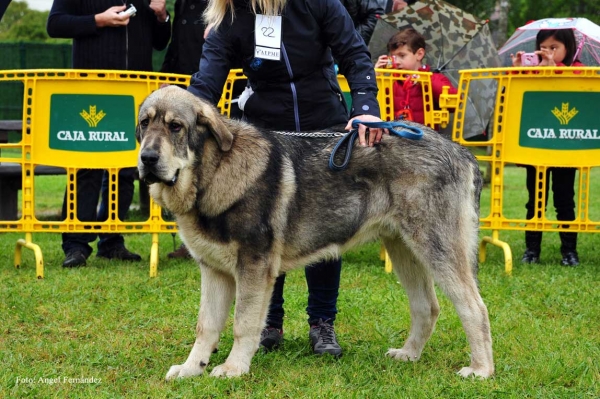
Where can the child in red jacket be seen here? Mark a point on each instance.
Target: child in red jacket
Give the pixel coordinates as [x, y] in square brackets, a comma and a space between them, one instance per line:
[406, 50]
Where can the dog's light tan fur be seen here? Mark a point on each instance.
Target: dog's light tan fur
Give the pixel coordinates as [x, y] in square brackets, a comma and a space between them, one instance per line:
[251, 204]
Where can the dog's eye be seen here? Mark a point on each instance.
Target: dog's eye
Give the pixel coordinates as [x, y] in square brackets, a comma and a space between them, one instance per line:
[144, 123]
[174, 127]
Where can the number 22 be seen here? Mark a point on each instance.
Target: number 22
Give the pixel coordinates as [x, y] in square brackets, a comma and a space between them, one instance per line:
[268, 32]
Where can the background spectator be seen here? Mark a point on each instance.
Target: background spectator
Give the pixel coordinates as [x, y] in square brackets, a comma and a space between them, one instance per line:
[105, 39]
[364, 15]
[556, 47]
[406, 50]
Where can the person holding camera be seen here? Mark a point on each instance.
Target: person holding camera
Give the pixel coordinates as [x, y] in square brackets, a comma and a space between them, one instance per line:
[406, 50]
[553, 47]
[107, 34]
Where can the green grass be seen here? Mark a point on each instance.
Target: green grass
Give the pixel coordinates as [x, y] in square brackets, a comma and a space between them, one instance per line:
[111, 322]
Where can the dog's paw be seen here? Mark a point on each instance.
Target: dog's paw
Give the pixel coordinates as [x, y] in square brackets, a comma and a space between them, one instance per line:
[482, 372]
[229, 370]
[403, 354]
[183, 371]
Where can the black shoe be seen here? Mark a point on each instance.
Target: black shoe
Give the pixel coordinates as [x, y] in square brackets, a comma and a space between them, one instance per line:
[323, 340]
[530, 256]
[570, 259]
[120, 253]
[270, 338]
[74, 258]
[181, 253]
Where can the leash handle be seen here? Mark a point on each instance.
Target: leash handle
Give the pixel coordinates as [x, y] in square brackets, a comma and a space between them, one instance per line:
[351, 138]
[408, 132]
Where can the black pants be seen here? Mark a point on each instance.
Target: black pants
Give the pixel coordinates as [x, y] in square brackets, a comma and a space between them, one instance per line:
[91, 183]
[563, 181]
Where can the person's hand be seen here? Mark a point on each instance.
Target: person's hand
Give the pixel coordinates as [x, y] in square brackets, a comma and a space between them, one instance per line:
[374, 133]
[381, 61]
[398, 5]
[160, 9]
[547, 57]
[516, 59]
[111, 18]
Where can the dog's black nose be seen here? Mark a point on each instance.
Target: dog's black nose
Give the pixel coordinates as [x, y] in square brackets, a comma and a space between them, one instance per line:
[149, 157]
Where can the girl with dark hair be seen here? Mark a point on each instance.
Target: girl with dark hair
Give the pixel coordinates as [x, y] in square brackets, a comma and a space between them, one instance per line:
[556, 47]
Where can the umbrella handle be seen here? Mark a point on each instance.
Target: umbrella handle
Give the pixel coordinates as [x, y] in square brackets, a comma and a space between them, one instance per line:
[579, 47]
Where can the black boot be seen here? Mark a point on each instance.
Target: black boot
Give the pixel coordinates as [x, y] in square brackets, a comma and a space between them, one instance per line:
[568, 249]
[533, 242]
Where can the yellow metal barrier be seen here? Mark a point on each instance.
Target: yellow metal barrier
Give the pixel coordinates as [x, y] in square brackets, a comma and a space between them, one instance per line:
[76, 119]
[385, 96]
[545, 119]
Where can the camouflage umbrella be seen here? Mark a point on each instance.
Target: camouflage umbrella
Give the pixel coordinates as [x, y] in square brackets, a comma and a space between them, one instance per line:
[455, 40]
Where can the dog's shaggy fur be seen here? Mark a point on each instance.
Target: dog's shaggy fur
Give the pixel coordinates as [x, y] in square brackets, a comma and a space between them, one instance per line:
[251, 204]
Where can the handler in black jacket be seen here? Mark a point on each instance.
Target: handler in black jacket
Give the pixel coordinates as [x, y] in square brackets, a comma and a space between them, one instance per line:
[288, 60]
[103, 39]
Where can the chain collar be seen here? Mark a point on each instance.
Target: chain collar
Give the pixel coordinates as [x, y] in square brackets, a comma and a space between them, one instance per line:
[311, 134]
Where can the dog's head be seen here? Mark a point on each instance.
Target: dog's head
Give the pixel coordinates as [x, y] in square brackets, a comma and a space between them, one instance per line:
[173, 125]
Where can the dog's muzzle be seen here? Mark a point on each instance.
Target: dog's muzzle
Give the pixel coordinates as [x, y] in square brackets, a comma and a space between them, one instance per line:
[148, 172]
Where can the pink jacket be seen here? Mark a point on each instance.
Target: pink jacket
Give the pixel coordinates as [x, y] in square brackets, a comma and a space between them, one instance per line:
[414, 98]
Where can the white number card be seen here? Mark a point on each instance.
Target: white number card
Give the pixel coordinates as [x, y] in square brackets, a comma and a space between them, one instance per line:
[267, 37]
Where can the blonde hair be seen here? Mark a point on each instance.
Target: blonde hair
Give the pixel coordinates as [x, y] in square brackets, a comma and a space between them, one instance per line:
[216, 9]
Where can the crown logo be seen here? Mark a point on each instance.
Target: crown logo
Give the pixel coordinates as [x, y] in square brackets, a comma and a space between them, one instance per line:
[92, 118]
[565, 114]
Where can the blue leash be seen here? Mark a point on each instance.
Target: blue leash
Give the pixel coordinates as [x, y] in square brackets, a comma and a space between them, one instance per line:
[411, 132]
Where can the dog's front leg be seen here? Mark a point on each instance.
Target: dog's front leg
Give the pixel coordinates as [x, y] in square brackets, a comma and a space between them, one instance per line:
[217, 291]
[253, 295]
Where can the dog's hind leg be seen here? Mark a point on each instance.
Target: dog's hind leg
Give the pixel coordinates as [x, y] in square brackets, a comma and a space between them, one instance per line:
[254, 288]
[452, 266]
[217, 291]
[462, 290]
[424, 307]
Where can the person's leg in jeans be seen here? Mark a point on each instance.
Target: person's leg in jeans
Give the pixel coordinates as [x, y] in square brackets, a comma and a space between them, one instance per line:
[272, 335]
[76, 245]
[323, 280]
[113, 245]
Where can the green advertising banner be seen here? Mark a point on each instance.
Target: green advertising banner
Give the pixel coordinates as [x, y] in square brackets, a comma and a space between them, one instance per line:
[92, 122]
[560, 120]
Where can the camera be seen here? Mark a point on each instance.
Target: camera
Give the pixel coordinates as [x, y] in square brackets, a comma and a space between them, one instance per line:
[130, 11]
[391, 62]
[529, 59]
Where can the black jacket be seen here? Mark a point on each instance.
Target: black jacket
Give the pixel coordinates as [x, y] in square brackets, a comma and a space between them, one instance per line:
[364, 15]
[300, 92]
[185, 49]
[127, 48]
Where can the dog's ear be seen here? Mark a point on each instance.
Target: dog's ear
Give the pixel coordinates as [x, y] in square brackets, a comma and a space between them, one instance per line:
[138, 133]
[208, 116]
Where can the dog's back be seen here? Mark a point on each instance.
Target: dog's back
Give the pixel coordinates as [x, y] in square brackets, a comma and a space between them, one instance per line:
[382, 188]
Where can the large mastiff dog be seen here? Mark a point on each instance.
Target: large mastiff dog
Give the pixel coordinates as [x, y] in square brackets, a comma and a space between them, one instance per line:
[251, 204]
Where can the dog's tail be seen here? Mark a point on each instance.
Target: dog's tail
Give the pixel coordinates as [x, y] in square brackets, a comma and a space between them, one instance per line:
[477, 187]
